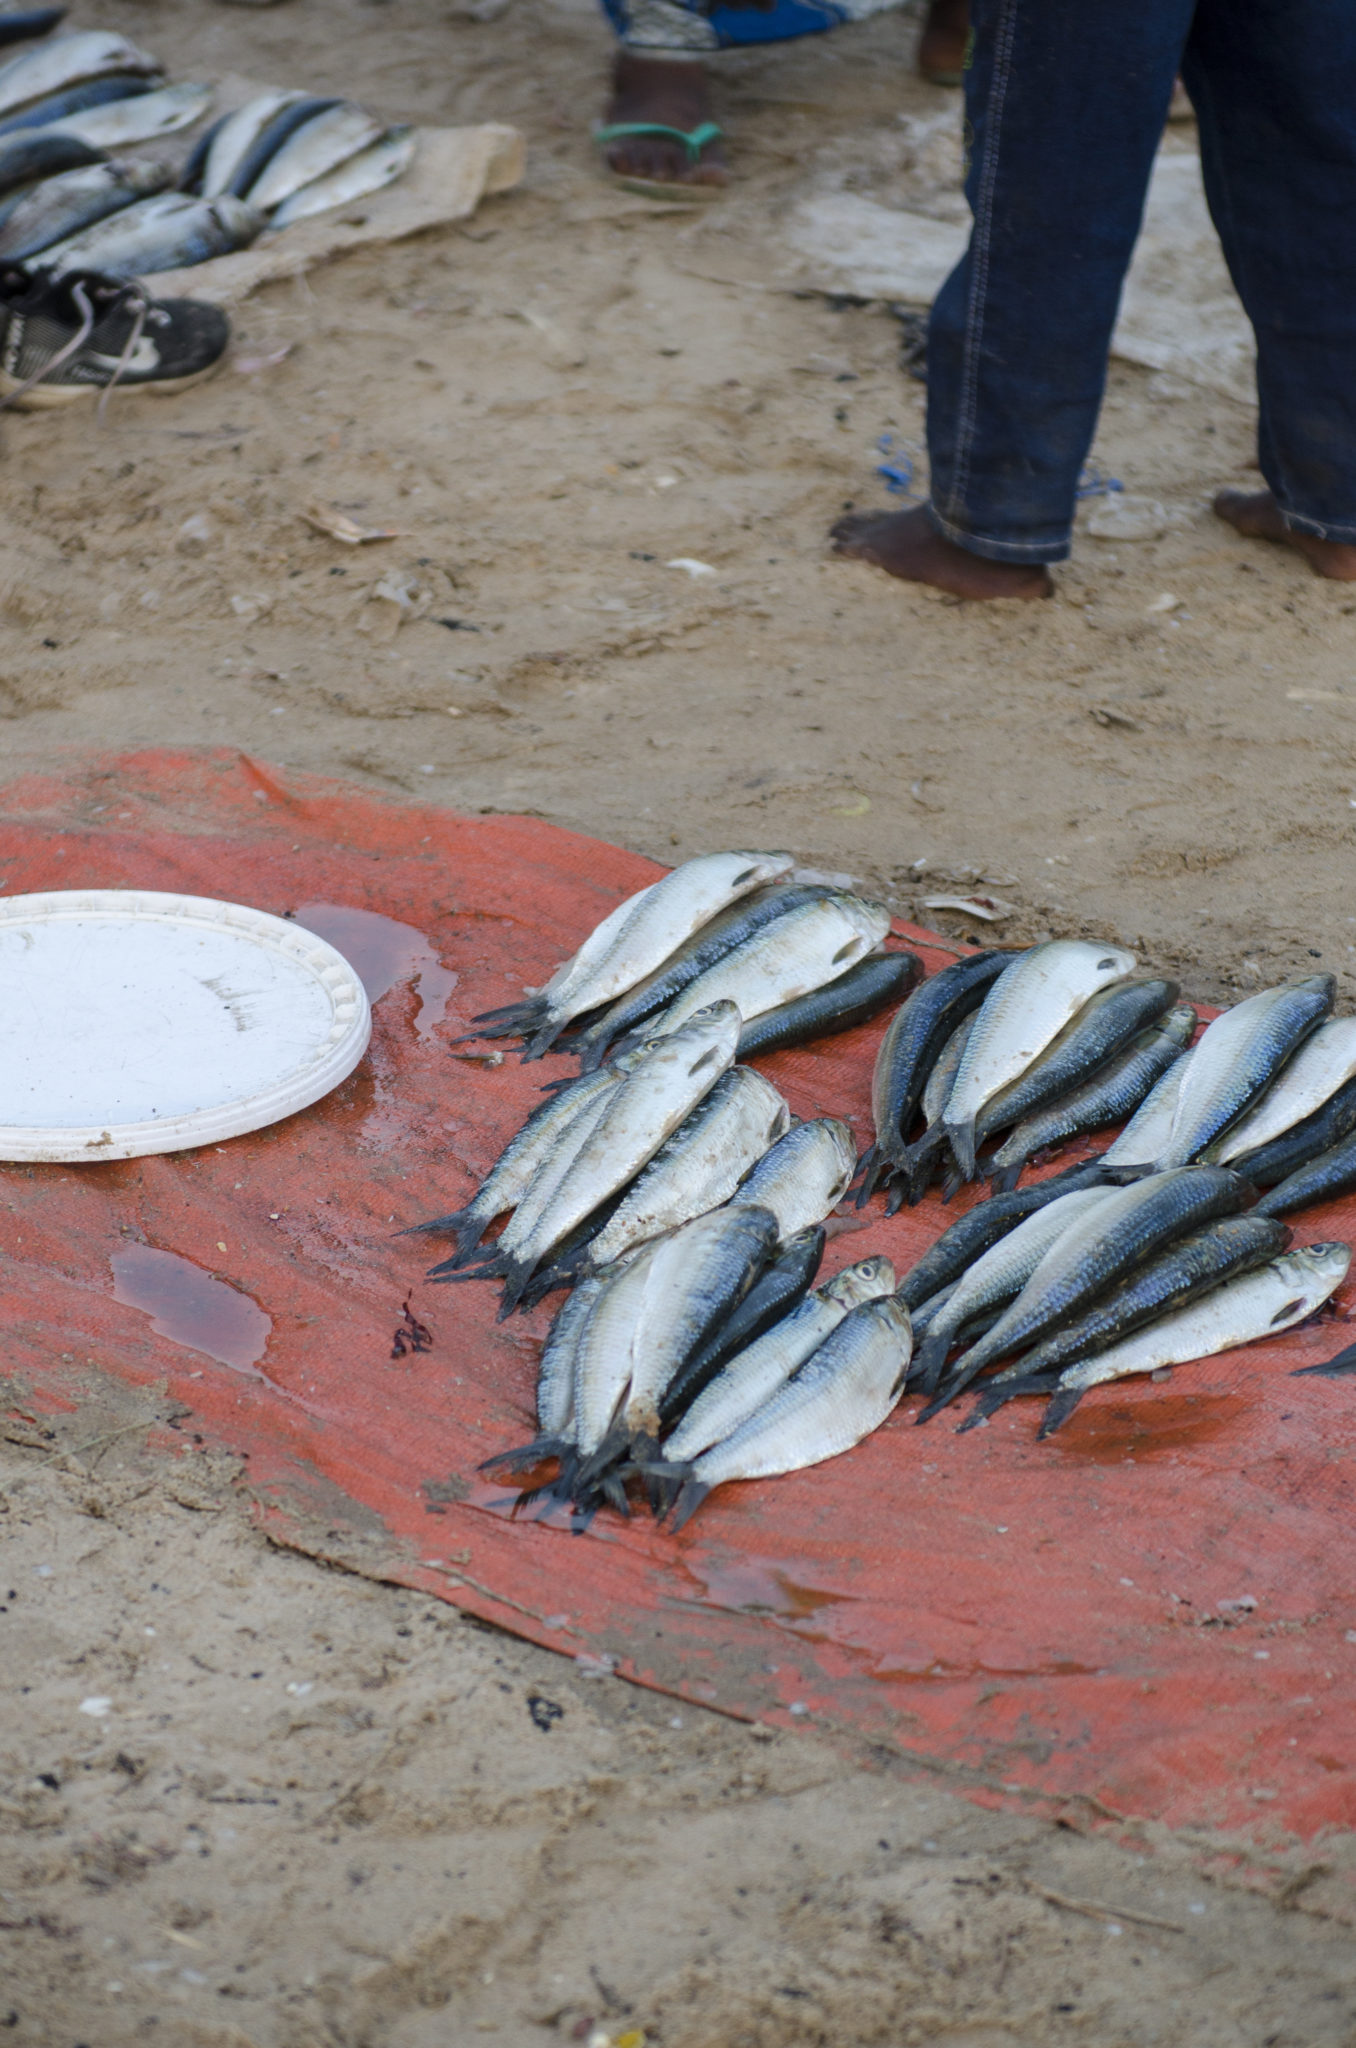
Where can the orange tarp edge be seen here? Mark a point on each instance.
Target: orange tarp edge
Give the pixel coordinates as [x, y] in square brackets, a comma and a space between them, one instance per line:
[1041, 1620]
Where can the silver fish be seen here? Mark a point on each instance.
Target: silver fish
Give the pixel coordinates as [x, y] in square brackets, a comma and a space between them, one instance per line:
[665, 1303]
[161, 233]
[753, 1375]
[1026, 1008]
[1143, 1139]
[1324, 1062]
[555, 1373]
[632, 941]
[998, 1277]
[663, 1089]
[1107, 1097]
[807, 949]
[1093, 1036]
[318, 147]
[700, 1167]
[65, 205]
[1238, 1056]
[1260, 1304]
[843, 1392]
[1098, 1248]
[517, 1165]
[237, 133]
[69, 60]
[137, 120]
[805, 1175]
[369, 171]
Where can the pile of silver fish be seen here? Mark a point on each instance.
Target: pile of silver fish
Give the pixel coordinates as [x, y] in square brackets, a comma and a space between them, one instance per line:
[64, 199]
[1143, 1256]
[669, 1188]
[798, 959]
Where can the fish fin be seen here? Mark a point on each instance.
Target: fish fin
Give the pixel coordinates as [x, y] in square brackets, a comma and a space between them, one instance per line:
[690, 1497]
[962, 1141]
[710, 1054]
[1336, 1368]
[1288, 1309]
[1006, 1178]
[1062, 1404]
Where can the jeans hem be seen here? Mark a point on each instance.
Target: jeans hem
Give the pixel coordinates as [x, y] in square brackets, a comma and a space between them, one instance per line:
[995, 550]
[1321, 529]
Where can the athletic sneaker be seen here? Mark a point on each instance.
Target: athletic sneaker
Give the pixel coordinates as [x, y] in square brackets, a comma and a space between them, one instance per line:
[68, 336]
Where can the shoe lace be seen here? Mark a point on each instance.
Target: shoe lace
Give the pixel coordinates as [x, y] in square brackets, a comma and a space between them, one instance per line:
[132, 300]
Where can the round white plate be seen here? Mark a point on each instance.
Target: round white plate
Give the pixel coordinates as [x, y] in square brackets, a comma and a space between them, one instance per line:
[135, 1022]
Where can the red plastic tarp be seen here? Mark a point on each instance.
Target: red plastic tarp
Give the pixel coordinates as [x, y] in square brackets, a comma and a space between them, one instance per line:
[1069, 1621]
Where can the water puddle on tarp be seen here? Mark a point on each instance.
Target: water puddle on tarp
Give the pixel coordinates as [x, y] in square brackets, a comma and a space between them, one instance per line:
[192, 1308]
[383, 952]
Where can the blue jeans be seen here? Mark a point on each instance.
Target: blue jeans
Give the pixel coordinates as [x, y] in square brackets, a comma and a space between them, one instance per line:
[1065, 104]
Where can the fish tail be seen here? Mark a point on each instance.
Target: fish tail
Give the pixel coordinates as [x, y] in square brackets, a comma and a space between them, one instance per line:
[994, 1398]
[462, 1225]
[928, 1361]
[452, 1273]
[945, 1395]
[1005, 1178]
[871, 1167]
[1062, 1404]
[517, 1273]
[518, 1010]
[613, 1488]
[897, 1196]
[952, 1182]
[542, 1284]
[543, 1038]
[690, 1496]
[918, 1161]
[962, 1141]
[599, 1461]
[525, 1456]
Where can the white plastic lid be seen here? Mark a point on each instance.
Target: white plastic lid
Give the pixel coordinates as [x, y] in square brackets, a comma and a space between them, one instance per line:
[134, 1022]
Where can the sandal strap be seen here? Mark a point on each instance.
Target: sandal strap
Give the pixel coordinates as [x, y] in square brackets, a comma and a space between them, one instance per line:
[693, 143]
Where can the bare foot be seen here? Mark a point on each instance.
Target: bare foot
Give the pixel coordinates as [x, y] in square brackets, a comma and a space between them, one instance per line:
[1257, 516]
[941, 48]
[675, 95]
[908, 545]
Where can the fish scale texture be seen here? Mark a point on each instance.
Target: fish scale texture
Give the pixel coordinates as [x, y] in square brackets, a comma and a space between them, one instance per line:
[1045, 1622]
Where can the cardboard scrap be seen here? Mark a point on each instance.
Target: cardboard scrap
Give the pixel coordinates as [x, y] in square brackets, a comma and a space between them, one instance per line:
[1179, 311]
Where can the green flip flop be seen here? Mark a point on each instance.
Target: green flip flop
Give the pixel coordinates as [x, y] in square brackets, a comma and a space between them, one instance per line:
[687, 193]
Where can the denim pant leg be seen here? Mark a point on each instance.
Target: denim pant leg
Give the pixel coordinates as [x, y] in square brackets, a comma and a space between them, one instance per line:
[1274, 83]
[1065, 102]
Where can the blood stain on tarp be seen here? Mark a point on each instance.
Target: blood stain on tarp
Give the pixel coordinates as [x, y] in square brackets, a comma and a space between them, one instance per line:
[383, 952]
[192, 1308]
[1108, 1435]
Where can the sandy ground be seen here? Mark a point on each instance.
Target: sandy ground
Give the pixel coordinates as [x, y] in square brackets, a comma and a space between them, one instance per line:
[322, 1814]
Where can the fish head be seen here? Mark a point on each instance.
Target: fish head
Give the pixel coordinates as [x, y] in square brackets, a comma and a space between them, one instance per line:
[869, 1279]
[759, 868]
[866, 916]
[831, 1135]
[1315, 1270]
[1179, 1024]
[705, 1039]
[1315, 984]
